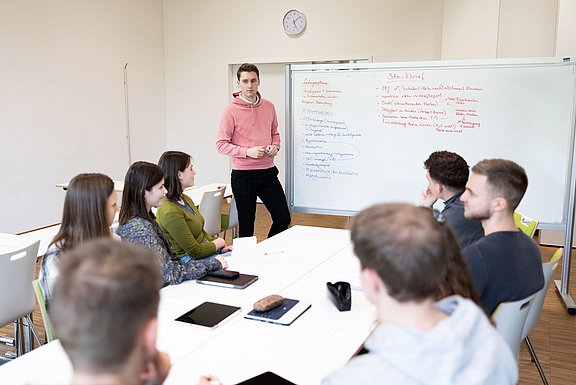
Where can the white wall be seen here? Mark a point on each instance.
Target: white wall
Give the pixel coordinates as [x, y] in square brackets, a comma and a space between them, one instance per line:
[61, 79]
[202, 38]
[566, 30]
[62, 107]
[470, 29]
[474, 29]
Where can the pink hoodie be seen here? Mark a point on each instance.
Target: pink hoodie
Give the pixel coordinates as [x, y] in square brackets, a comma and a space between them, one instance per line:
[244, 125]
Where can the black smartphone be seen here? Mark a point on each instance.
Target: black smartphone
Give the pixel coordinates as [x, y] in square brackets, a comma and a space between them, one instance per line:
[230, 274]
[267, 378]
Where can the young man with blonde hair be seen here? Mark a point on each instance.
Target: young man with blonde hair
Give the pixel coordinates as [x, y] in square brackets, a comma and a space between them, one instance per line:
[506, 264]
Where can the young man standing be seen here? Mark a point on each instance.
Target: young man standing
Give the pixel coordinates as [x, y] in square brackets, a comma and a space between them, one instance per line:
[447, 174]
[506, 264]
[403, 257]
[104, 313]
[248, 133]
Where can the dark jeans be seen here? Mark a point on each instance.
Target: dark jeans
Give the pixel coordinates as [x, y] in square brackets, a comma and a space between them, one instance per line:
[247, 185]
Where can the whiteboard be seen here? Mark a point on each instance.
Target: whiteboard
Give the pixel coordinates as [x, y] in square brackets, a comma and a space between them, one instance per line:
[359, 133]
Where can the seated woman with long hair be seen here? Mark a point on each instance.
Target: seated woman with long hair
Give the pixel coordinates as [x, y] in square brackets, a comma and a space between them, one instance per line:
[89, 210]
[143, 190]
[178, 216]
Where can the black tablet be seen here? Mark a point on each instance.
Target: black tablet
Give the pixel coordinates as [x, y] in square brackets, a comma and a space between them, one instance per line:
[208, 314]
[267, 378]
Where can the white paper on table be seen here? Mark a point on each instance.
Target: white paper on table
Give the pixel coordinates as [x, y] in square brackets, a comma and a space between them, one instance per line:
[243, 247]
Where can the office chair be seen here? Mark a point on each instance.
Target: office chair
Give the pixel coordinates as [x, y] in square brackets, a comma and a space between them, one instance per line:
[509, 318]
[210, 207]
[536, 309]
[48, 331]
[17, 271]
[230, 221]
[526, 224]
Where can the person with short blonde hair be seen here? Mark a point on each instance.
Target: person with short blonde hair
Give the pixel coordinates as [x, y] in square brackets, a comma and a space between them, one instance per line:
[104, 313]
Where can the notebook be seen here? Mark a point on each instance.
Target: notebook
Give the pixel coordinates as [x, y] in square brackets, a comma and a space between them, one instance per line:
[240, 282]
[284, 314]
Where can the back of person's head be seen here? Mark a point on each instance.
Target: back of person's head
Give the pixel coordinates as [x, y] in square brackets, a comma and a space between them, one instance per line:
[405, 245]
[457, 279]
[448, 169]
[105, 293]
[172, 162]
[85, 208]
[247, 67]
[140, 177]
[505, 178]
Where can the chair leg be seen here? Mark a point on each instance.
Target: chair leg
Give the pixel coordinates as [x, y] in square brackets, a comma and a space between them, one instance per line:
[33, 328]
[535, 359]
[234, 232]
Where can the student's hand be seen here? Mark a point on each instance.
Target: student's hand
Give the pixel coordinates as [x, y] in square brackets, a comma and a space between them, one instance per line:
[427, 199]
[271, 150]
[256, 152]
[227, 249]
[209, 380]
[158, 369]
[223, 261]
[220, 243]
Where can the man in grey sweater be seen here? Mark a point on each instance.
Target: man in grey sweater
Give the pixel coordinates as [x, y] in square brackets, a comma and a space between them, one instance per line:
[403, 257]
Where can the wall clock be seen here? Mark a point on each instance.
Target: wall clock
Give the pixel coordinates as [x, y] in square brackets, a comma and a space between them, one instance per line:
[294, 22]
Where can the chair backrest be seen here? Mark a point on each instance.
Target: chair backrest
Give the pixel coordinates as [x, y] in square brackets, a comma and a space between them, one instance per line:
[233, 214]
[536, 308]
[210, 207]
[526, 224]
[42, 305]
[17, 270]
[509, 318]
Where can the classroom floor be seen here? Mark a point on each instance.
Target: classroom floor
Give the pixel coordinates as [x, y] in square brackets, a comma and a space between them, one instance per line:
[554, 338]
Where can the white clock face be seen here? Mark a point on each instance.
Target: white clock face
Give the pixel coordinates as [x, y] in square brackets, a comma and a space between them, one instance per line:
[294, 22]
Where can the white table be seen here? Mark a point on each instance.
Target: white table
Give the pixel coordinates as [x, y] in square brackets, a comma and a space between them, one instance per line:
[318, 342]
[195, 192]
[11, 242]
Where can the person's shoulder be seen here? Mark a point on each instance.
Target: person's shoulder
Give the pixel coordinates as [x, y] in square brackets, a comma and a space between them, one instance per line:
[52, 251]
[363, 369]
[188, 200]
[132, 225]
[166, 207]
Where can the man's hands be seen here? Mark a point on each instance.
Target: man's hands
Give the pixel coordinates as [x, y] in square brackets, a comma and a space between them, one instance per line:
[427, 199]
[271, 150]
[258, 152]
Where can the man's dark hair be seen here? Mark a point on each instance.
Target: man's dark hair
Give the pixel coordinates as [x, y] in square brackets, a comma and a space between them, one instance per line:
[248, 67]
[105, 293]
[448, 168]
[506, 179]
[405, 245]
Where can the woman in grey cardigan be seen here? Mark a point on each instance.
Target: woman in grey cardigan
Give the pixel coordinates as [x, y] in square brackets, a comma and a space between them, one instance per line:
[143, 190]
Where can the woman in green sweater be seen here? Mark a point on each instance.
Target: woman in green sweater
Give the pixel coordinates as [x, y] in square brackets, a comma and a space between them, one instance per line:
[178, 216]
